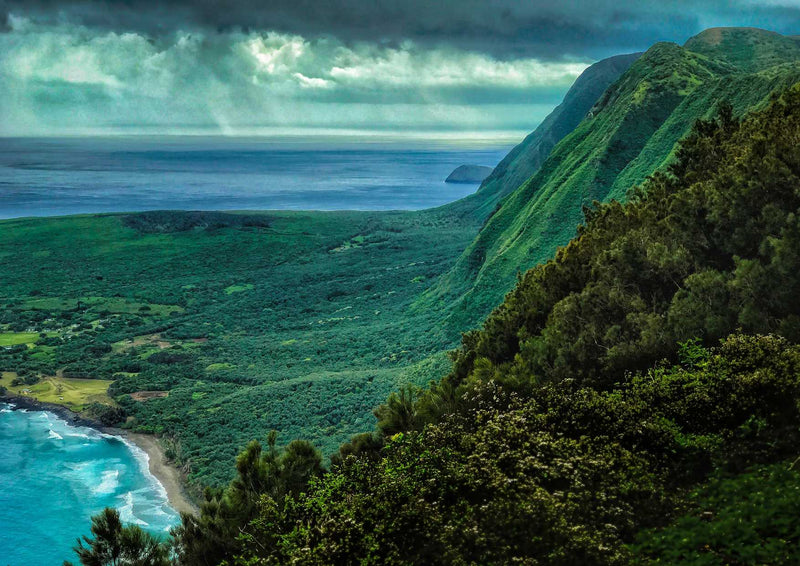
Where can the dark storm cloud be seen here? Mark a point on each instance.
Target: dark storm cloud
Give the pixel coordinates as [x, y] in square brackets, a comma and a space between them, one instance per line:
[504, 28]
[64, 77]
[245, 65]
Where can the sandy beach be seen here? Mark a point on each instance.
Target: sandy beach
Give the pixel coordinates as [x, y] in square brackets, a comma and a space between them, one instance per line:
[166, 474]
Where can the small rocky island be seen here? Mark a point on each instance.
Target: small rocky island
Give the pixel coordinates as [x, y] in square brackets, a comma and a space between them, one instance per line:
[468, 174]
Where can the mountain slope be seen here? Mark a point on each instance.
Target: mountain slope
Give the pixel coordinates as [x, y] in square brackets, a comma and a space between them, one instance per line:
[748, 49]
[630, 133]
[526, 158]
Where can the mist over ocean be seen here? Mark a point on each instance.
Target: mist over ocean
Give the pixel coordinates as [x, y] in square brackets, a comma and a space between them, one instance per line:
[58, 176]
[55, 476]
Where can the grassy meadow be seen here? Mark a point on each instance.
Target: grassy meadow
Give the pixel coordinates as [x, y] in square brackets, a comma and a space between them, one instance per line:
[74, 393]
[18, 338]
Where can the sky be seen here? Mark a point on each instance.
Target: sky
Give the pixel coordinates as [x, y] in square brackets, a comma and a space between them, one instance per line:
[247, 67]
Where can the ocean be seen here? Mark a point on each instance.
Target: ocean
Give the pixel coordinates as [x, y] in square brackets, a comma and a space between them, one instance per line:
[57, 176]
[54, 476]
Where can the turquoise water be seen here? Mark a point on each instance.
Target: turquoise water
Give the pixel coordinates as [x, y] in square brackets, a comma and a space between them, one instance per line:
[55, 476]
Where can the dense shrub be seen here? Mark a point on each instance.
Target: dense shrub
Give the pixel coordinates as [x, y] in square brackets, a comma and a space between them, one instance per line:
[165, 221]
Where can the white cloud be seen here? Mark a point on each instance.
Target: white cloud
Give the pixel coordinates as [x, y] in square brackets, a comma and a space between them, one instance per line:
[63, 78]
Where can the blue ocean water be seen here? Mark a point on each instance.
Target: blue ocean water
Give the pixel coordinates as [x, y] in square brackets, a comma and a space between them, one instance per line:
[54, 476]
[46, 177]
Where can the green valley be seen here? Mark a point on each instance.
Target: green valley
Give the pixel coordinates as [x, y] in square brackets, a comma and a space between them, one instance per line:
[219, 327]
[251, 322]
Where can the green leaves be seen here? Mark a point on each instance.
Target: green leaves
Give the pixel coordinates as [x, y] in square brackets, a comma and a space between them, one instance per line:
[692, 355]
[115, 544]
[750, 519]
[561, 474]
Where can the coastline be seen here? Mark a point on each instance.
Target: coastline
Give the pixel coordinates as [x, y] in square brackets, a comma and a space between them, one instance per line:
[166, 474]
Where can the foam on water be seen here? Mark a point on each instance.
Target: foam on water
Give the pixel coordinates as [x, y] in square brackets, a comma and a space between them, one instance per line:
[108, 483]
[56, 476]
[79, 435]
[143, 459]
[126, 511]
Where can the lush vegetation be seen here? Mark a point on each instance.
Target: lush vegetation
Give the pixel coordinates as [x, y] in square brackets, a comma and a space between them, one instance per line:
[115, 544]
[216, 328]
[629, 133]
[566, 476]
[747, 518]
[621, 395]
[615, 408]
[528, 156]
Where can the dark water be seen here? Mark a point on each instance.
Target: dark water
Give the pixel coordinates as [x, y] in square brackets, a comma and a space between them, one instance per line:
[47, 177]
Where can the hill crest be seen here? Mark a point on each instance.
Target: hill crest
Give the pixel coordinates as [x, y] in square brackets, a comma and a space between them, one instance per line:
[628, 134]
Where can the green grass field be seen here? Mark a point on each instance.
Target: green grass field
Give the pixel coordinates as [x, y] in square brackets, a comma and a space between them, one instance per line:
[17, 338]
[76, 394]
[115, 305]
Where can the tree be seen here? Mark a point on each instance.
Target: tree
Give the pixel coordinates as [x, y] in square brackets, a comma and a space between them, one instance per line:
[264, 478]
[397, 414]
[115, 544]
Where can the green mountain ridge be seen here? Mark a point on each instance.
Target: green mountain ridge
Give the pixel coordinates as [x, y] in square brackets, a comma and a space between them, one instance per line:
[627, 135]
[527, 157]
[747, 49]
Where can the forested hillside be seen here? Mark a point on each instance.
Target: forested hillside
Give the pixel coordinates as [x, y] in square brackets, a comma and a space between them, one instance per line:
[629, 133]
[615, 408]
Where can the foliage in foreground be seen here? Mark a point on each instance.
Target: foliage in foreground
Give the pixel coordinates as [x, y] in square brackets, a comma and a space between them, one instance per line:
[745, 519]
[559, 436]
[115, 544]
[568, 476]
[225, 514]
